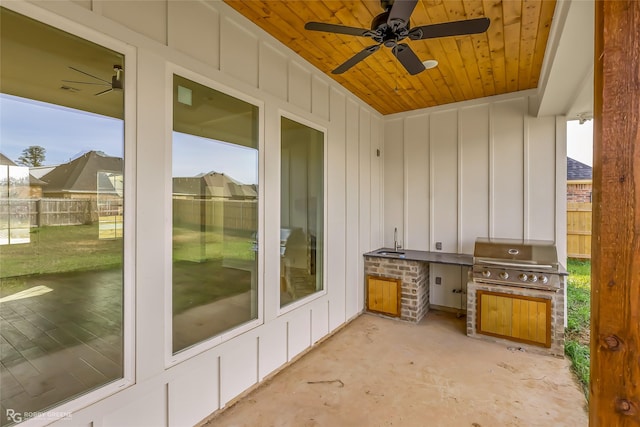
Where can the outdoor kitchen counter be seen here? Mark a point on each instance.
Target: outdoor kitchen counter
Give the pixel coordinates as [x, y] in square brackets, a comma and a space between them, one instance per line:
[425, 256]
[397, 282]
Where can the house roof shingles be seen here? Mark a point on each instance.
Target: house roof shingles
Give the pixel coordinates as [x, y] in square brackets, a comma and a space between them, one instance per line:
[79, 175]
[213, 184]
[577, 171]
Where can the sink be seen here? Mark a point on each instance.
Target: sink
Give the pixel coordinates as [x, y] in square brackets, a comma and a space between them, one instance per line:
[390, 253]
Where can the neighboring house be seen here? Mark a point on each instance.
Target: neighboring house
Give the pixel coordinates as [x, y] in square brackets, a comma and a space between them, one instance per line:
[83, 176]
[212, 185]
[34, 190]
[217, 197]
[579, 182]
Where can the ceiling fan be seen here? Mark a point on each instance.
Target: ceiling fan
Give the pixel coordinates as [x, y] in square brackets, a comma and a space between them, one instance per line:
[392, 26]
[115, 83]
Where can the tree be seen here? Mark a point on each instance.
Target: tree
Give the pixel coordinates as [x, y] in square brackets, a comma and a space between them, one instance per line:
[32, 156]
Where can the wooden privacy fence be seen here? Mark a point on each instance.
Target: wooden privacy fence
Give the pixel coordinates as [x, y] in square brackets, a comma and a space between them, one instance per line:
[47, 212]
[579, 230]
[241, 215]
[26, 213]
[56, 212]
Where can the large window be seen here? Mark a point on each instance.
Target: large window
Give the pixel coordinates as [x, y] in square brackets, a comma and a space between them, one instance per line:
[215, 213]
[301, 211]
[61, 217]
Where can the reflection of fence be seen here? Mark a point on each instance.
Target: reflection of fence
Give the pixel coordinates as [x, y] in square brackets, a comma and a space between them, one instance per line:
[230, 214]
[53, 212]
[61, 212]
[579, 230]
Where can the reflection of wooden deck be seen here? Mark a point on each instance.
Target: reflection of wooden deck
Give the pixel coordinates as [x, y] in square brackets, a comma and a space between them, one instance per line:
[64, 336]
[61, 343]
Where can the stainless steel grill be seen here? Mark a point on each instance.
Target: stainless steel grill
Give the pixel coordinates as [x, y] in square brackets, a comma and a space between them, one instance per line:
[522, 263]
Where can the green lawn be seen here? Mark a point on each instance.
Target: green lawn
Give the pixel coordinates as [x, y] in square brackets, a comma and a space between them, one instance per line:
[578, 320]
[195, 245]
[200, 261]
[60, 249]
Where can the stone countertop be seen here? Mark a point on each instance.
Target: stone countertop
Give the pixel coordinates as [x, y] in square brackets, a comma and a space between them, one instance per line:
[425, 256]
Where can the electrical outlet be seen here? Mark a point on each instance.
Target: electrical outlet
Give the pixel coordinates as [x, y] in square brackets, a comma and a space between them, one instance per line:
[438, 246]
[438, 280]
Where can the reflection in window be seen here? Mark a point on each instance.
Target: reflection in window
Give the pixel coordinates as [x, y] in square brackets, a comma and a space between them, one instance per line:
[15, 223]
[61, 283]
[215, 213]
[302, 211]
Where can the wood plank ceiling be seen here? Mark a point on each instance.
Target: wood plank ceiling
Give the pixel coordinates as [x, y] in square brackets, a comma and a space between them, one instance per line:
[507, 58]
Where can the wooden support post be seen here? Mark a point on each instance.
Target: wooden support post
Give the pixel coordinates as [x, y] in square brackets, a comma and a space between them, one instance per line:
[615, 275]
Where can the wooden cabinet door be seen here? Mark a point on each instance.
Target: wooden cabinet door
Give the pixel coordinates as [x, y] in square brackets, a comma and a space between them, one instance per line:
[515, 317]
[383, 295]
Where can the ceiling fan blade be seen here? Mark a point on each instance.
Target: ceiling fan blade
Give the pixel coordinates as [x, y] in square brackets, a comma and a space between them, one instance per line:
[103, 92]
[408, 58]
[400, 13]
[85, 83]
[334, 28]
[90, 75]
[454, 28]
[356, 58]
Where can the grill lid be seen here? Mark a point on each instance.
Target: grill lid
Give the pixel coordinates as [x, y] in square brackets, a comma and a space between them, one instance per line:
[516, 253]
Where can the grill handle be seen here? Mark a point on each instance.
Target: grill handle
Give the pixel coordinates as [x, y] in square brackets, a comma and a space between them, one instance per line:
[513, 264]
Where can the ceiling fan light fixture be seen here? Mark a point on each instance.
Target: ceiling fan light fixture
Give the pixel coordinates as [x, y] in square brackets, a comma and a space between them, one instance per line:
[430, 63]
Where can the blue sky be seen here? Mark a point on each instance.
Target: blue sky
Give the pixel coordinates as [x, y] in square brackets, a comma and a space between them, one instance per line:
[65, 133]
[193, 155]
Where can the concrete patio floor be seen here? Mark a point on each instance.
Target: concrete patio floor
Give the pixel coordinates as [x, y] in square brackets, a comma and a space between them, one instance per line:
[382, 372]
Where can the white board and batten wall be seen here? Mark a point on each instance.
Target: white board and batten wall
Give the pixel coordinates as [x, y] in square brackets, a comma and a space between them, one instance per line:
[209, 41]
[484, 168]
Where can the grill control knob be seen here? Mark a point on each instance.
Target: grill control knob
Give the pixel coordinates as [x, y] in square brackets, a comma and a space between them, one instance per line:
[486, 273]
[504, 275]
[533, 278]
[543, 279]
[523, 277]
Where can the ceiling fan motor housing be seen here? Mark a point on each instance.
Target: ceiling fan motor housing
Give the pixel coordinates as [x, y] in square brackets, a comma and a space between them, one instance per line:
[116, 79]
[382, 32]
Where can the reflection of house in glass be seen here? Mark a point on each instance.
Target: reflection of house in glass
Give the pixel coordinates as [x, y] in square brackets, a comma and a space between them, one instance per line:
[17, 188]
[215, 201]
[212, 185]
[79, 177]
[94, 181]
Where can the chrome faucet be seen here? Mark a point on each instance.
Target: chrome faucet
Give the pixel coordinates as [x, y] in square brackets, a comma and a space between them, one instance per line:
[396, 245]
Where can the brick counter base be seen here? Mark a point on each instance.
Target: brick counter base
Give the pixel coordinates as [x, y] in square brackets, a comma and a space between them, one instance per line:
[415, 283]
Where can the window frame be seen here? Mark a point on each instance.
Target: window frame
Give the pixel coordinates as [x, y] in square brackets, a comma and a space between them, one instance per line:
[282, 310]
[216, 340]
[75, 404]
